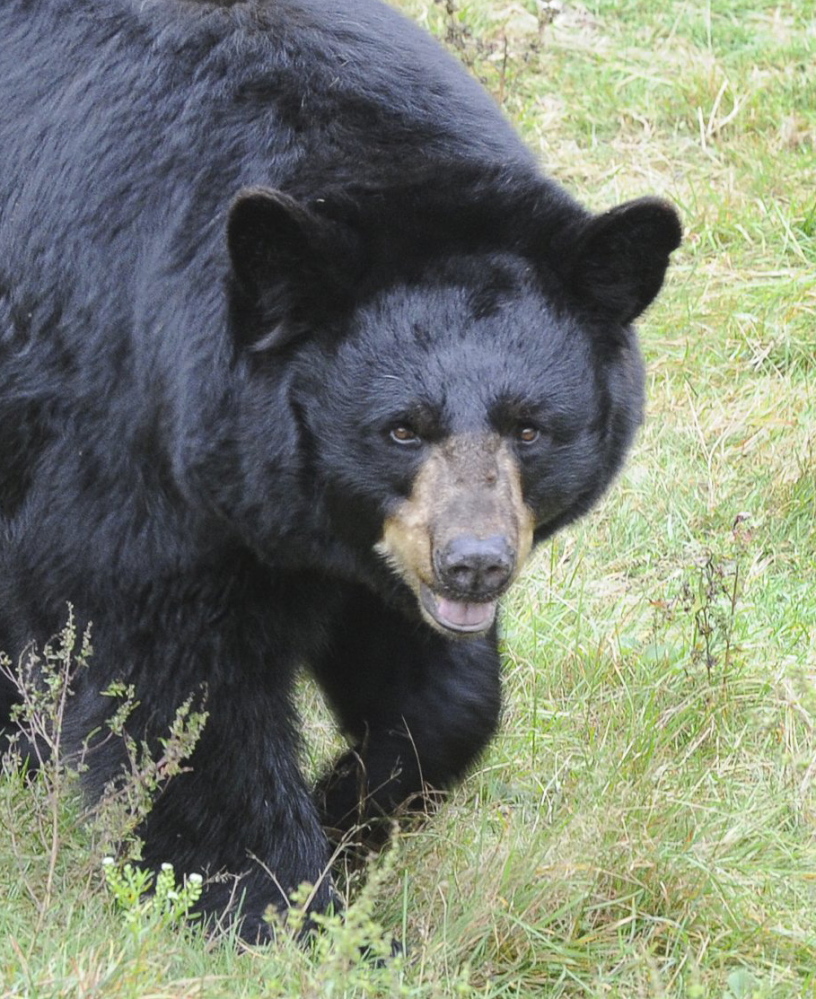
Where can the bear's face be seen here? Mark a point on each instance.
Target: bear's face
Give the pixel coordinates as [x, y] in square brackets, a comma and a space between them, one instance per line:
[460, 417]
[462, 389]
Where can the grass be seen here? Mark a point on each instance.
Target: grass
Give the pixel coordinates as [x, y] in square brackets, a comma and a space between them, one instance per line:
[645, 825]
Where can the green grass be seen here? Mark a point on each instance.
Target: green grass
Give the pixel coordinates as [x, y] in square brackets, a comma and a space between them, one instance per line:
[645, 825]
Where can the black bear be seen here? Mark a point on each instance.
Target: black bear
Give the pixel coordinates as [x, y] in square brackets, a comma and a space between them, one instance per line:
[301, 355]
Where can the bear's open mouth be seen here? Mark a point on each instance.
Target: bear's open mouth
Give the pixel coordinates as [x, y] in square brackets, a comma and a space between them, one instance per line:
[460, 616]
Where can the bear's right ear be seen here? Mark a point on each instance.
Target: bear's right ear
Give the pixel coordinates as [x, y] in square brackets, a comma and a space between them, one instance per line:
[288, 262]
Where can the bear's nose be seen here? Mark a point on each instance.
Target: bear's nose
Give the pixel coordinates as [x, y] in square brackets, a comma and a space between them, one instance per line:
[475, 567]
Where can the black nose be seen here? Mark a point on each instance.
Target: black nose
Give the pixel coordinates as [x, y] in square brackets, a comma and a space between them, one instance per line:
[475, 567]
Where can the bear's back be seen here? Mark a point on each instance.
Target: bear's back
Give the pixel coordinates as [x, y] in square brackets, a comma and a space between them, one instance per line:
[288, 94]
[128, 127]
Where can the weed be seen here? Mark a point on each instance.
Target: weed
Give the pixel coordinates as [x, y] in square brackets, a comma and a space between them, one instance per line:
[129, 797]
[148, 901]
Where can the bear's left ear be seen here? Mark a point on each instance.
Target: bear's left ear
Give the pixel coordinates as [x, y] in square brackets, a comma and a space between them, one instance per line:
[620, 258]
[289, 263]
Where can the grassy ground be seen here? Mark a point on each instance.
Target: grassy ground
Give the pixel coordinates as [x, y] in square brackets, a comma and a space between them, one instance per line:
[646, 823]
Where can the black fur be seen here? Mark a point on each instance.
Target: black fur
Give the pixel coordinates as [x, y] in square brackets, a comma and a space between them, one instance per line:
[238, 243]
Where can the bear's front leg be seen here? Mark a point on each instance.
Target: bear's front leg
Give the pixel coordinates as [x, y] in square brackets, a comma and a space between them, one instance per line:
[239, 813]
[418, 708]
[243, 817]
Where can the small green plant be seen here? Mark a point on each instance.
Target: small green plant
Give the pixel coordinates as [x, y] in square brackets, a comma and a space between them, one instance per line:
[711, 599]
[707, 607]
[150, 902]
[44, 682]
[128, 799]
[356, 930]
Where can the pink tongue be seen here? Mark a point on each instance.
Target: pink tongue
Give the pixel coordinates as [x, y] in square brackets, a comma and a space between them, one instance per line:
[464, 615]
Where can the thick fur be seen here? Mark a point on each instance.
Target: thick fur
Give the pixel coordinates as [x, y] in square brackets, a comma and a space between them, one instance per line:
[260, 264]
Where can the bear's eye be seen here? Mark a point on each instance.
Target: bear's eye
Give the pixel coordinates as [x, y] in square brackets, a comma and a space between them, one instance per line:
[527, 434]
[403, 434]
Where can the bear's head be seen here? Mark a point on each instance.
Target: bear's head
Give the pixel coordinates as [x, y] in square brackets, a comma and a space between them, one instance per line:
[463, 388]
